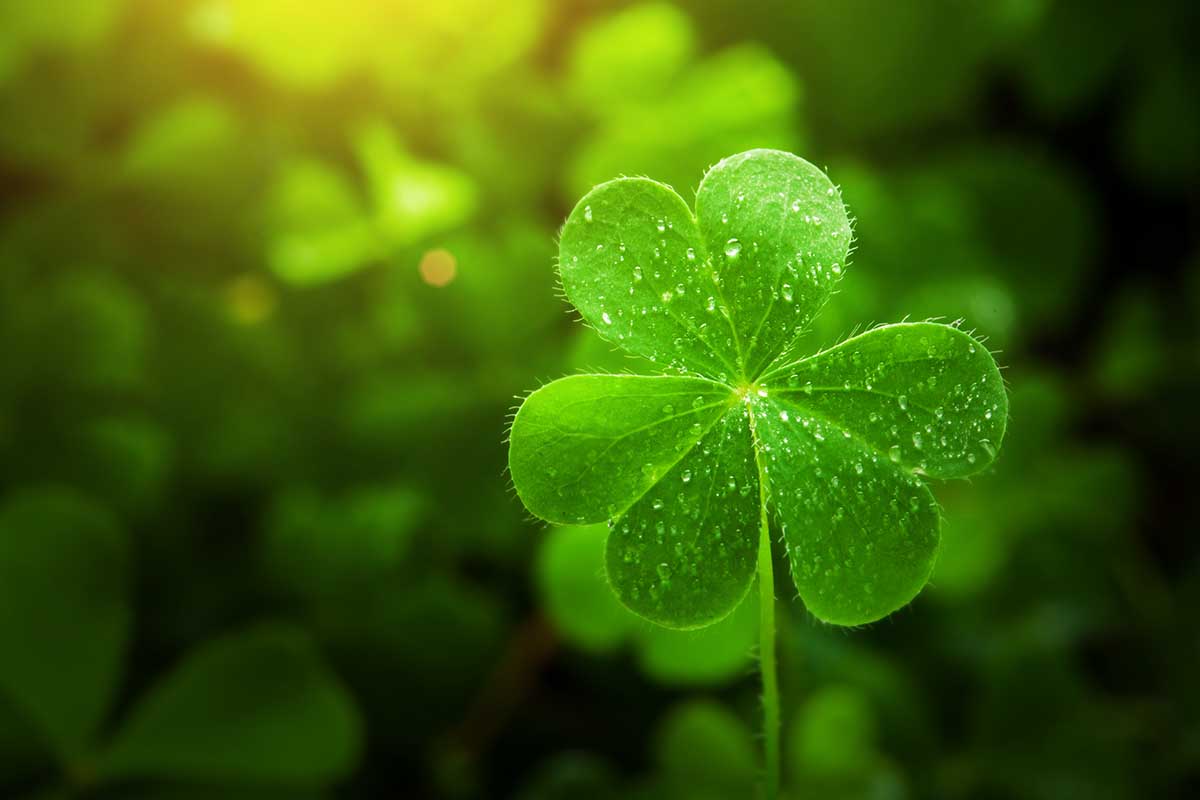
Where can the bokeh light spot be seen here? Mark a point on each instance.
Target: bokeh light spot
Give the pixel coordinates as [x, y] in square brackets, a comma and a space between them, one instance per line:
[438, 267]
[250, 298]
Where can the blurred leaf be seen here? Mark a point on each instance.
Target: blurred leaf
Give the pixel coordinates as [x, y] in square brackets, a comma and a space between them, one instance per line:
[738, 99]
[1068, 58]
[450, 48]
[325, 545]
[571, 776]
[254, 707]
[308, 46]
[1046, 761]
[575, 592]
[187, 140]
[436, 632]
[904, 83]
[320, 231]
[1161, 133]
[834, 734]
[403, 44]
[705, 751]
[999, 237]
[25, 27]
[125, 459]
[91, 331]
[411, 199]
[64, 612]
[631, 56]
[1133, 351]
[832, 749]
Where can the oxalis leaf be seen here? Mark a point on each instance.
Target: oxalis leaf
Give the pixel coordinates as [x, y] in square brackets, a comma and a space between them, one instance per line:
[835, 447]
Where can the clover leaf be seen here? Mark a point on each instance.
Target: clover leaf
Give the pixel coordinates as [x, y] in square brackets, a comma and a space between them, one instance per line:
[689, 467]
[256, 709]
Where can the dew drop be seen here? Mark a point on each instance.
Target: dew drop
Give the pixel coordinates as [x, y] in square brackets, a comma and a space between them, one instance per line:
[686, 476]
[587, 213]
[732, 248]
[607, 319]
[786, 291]
[894, 453]
[902, 401]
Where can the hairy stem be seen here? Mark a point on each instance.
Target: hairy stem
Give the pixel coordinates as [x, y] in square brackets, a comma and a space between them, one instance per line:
[766, 659]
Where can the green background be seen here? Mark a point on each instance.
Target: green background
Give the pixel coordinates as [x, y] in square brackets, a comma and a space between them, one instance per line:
[274, 275]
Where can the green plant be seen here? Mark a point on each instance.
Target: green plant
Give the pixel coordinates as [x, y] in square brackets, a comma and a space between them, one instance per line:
[688, 468]
[257, 709]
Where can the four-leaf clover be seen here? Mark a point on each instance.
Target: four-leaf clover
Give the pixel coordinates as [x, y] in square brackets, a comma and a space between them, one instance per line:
[688, 467]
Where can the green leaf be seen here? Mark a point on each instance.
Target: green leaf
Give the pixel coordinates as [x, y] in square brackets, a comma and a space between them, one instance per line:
[720, 293]
[926, 396]
[778, 236]
[255, 707]
[666, 455]
[64, 612]
[835, 447]
[574, 441]
[685, 554]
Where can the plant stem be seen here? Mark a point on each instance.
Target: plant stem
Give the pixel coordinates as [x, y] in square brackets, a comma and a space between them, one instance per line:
[766, 659]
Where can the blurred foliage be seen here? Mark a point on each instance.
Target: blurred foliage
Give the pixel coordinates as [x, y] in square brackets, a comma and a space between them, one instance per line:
[271, 274]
